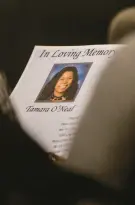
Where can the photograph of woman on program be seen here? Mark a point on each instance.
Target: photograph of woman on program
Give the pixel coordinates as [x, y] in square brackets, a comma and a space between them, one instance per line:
[62, 87]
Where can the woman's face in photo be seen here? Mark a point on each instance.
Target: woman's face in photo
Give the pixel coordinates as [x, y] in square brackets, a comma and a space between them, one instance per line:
[64, 82]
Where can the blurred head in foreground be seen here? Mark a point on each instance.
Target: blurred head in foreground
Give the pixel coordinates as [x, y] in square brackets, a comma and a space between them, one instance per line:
[122, 25]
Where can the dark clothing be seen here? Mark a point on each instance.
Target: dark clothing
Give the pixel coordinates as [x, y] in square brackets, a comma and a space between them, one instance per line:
[28, 177]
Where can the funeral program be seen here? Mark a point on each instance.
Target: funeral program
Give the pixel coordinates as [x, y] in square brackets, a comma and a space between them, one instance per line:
[54, 89]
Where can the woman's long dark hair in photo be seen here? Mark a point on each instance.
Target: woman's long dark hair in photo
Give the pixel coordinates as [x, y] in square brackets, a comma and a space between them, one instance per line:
[48, 89]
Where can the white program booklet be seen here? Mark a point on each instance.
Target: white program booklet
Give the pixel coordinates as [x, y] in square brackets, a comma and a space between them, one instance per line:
[54, 89]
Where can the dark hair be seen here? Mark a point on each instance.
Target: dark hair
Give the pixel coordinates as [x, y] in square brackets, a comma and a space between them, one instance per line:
[70, 93]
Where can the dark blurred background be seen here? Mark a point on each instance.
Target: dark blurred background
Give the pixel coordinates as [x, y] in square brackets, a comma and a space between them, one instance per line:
[25, 23]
